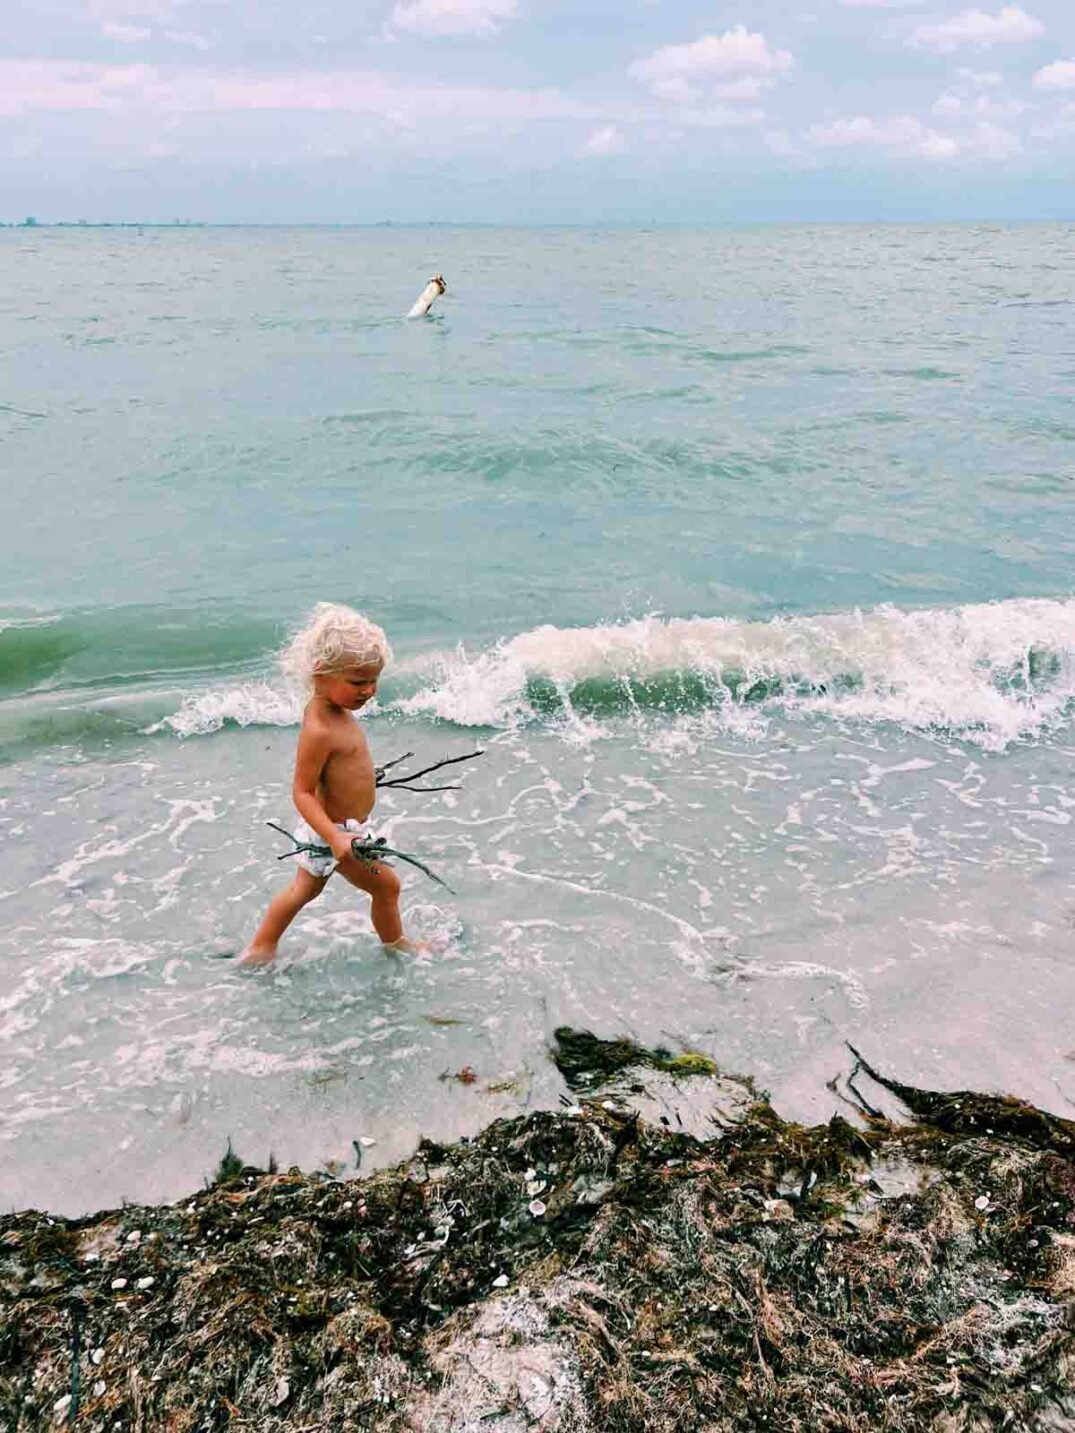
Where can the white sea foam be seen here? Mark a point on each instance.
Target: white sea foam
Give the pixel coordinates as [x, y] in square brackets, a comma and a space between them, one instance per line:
[486, 690]
[252, 704]
[992, 673]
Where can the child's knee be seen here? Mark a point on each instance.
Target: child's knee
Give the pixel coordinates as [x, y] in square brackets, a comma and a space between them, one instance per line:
[387, 883]
[304, 890]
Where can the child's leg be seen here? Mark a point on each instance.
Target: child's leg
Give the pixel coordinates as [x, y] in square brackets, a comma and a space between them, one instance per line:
[283, 908]
[381, 884]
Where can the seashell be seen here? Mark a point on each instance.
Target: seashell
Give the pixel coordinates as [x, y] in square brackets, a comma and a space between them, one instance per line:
[536, 1207]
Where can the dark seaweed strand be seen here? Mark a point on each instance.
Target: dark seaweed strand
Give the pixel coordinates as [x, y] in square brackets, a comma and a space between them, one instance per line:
[72, 1410]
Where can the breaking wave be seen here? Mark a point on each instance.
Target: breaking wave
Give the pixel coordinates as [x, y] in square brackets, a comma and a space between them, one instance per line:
[992, 673]
[254, 704]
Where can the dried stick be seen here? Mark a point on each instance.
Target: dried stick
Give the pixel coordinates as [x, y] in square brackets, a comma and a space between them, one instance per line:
[403, 782]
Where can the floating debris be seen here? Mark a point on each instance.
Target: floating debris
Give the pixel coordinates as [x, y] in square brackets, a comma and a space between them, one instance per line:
[429, 295]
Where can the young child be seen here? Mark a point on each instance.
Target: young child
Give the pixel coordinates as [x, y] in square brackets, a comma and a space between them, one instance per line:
[338, 658]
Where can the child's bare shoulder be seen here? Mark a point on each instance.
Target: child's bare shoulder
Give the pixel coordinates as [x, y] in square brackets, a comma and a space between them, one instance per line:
[316, 724]
[335, 730]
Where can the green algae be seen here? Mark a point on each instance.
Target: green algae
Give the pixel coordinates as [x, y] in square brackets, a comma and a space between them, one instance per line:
[585, 1060]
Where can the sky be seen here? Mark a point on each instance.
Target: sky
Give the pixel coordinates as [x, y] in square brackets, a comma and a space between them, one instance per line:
[537, 111]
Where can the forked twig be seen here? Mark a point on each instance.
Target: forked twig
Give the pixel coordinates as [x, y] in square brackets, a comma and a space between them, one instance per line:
[402, 783]
[380, 770]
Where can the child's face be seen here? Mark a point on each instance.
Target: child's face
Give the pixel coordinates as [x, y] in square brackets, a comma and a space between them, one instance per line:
[351, 687]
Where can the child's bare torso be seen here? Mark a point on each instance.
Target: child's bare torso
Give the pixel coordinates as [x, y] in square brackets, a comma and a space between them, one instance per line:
[348, 784]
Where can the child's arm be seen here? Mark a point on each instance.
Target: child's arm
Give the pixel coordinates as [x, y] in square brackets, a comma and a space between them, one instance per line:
[315, 748]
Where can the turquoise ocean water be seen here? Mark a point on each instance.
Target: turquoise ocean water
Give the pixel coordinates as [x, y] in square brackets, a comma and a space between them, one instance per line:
[746, 555]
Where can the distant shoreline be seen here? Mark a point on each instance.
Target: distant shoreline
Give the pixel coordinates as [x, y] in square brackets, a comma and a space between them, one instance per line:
[650, 226]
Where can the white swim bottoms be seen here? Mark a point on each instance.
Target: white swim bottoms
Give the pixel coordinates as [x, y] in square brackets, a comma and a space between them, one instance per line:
[323, 866]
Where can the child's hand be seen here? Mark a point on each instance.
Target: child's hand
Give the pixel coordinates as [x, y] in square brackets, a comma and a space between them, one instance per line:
[341, 845]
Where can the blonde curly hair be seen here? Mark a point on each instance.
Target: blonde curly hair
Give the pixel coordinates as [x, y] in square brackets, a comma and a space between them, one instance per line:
[333, 638]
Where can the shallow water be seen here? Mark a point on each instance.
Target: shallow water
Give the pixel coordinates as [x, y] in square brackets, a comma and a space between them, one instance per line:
[744, 555]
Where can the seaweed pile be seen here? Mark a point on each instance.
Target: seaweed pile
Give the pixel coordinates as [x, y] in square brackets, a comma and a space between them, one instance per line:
[601, 1266]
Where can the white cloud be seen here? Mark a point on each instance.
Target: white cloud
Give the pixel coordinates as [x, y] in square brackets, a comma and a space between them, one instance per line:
[148, 91]
[1060, 75]
[738, 91]
[686, 73]
[987, 79]
[991, 141]
[606, 140]
[718, 116]
[900, 134]
[188, 37]
[452, 17]
[952, 103]
[907, 137]
[976, 96]
[125, 34]
[1060, 126]
[976, 27]
[159, 12]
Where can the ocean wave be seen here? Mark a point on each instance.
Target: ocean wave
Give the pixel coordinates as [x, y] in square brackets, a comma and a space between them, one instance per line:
[31, 649]
[992, 673]
[252, 704]
[124, 646]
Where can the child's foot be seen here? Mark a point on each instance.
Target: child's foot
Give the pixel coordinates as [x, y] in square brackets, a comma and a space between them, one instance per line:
[403, 946]
[252, 956]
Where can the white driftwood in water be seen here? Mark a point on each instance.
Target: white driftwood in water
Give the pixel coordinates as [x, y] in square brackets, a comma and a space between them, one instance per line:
[432, 291]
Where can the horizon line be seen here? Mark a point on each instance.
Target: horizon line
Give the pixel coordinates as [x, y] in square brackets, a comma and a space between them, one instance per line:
[32, 223]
